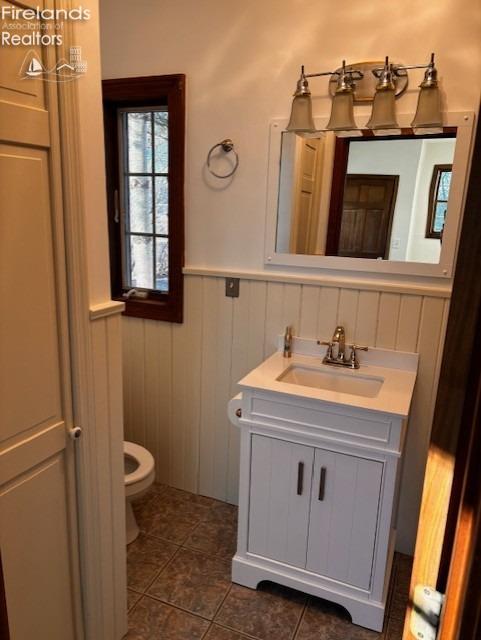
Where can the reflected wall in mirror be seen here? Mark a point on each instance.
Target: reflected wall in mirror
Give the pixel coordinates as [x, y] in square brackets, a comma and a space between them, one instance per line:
[383, 198]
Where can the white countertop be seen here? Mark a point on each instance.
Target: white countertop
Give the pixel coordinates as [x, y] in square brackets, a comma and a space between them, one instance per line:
[398, 371]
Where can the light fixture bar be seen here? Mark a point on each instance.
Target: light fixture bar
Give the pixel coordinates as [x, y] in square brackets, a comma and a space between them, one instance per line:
[391, 79]
[396, 68]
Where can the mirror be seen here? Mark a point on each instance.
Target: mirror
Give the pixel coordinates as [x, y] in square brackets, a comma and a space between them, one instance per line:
[377, 198]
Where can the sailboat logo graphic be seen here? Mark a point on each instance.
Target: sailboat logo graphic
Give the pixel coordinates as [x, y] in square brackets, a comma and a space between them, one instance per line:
[35, 68]
[63, 71]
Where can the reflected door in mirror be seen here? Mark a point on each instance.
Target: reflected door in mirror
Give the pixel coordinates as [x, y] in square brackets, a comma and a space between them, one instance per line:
[367, 214]
[306, 196]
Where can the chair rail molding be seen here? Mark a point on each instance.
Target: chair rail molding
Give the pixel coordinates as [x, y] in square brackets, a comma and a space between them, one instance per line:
[325, 278]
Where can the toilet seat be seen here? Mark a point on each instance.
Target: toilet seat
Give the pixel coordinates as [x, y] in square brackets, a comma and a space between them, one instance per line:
[144, 460]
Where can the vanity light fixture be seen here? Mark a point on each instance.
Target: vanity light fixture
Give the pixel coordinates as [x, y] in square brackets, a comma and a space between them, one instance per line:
[342, 111]
[354, 83]
[301, 111]
[342, 115]
[428, 117]
[383, 116]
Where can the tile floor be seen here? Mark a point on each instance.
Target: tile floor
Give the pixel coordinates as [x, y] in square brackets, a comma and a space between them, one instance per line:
[179, 584]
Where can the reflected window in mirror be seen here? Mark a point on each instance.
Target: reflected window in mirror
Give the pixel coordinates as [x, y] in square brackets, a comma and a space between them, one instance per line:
[438, 200]
[362, 196]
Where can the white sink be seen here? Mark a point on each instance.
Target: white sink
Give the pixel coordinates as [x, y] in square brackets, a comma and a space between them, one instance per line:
[384, 382]
[351, 382]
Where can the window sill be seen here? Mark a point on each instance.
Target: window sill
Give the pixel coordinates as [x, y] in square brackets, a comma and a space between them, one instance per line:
[170, 311]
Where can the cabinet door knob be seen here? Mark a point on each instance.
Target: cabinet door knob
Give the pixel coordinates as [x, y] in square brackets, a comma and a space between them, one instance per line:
[322, 483]
[300, 478]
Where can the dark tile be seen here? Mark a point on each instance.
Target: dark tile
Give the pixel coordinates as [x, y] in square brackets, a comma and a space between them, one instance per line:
[404, 565]
[171, 514]
[154, 490]
[132, 598]
[394, 629]
[400, 594]
[215, 536]
[154, 620]
[145, 557]
[220, 633]
[390, 590]
[324, 620]
[193, 581]
[223, 512]
[268, 613]
[197, 503]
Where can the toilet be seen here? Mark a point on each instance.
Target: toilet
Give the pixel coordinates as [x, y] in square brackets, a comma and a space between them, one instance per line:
[139, 476]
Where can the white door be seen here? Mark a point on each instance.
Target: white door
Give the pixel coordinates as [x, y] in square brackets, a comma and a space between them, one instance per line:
[281, 475]
[307, 191]
[344, 510]
[38, 533]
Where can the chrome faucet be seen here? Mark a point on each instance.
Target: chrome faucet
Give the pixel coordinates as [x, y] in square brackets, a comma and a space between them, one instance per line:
[340, 360]
[339, 336]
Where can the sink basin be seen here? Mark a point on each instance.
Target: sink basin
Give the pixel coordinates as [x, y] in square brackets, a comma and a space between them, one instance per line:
[352, 383]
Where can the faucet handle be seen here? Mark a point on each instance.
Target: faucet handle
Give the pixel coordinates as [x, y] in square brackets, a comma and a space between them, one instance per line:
[353, 359]
[329, 344]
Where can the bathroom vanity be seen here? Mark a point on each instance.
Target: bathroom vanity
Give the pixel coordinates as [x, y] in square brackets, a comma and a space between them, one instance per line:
[321, 452]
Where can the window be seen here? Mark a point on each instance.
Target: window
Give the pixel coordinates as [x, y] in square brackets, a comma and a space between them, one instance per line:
[144, 139]
[438, 200]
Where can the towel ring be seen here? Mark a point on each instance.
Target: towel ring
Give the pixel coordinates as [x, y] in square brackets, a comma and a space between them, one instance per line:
[227, 146]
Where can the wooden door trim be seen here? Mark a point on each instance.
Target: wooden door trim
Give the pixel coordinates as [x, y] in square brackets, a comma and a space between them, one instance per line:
[462, 613]
[454, 421]
[339, 171]
[4, 630]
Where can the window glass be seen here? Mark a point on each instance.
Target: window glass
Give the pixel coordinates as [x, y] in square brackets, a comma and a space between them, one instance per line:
[438, 200]
[145, 197]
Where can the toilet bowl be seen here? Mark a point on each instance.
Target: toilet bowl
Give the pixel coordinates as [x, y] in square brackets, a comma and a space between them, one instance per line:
[139, 476]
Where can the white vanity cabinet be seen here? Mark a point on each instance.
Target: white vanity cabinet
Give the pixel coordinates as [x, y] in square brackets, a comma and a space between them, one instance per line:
[314, 509]
[319, 486]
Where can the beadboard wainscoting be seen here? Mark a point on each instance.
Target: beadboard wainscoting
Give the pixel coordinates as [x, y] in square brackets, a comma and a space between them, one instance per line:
[179, 378]
[100, 468]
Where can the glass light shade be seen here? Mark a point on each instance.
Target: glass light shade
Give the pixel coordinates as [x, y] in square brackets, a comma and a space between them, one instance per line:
[383, 114]
[301, 114]
[342, 112]
[428, 112]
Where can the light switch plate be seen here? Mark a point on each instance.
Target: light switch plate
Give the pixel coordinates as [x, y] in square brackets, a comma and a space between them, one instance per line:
[232, 286]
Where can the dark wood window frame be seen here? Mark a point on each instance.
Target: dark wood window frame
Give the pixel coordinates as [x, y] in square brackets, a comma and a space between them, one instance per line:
[341, 155]
[150, 91]
[438, 170]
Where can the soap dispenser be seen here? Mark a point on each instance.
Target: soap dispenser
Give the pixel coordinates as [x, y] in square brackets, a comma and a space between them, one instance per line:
[288, 342]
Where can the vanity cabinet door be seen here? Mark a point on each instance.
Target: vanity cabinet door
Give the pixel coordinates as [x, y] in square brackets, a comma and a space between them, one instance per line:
[344, 511]
[280, 488]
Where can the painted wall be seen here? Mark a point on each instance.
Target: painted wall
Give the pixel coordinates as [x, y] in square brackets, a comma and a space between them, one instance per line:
[419, 247]
[242, 61]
